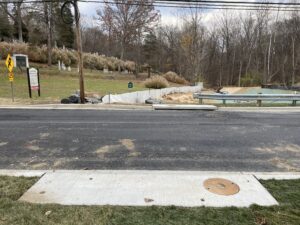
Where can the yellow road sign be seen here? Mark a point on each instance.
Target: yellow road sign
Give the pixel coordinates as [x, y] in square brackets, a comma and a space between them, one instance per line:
[9, 63]
[11, 77]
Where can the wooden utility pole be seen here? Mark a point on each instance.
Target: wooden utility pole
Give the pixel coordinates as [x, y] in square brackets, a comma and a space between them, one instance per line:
[79, 49]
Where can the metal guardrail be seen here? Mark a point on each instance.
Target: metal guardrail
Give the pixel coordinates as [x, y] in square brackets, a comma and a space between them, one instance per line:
[249, 97]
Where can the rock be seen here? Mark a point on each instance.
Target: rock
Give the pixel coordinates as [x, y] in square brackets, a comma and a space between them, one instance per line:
[153, 101]
[92, 100]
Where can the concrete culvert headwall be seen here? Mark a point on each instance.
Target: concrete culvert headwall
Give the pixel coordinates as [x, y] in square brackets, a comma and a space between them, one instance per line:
[142, 96]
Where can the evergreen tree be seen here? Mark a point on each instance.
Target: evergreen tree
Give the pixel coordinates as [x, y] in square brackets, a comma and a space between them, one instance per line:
[150, 50]
[64, 31]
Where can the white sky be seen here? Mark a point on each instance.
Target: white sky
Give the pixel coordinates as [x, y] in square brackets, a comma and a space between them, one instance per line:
[169, 16]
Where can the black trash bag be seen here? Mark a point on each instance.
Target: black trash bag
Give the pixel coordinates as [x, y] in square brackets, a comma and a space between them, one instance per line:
[74, 99]
[65, 101]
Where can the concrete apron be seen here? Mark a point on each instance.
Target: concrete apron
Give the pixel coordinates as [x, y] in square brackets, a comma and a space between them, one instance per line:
[144, 188]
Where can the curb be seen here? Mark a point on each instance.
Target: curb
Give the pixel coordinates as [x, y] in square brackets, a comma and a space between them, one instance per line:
[258, 175]
[259, 109]
[78, 106]
[184, 107]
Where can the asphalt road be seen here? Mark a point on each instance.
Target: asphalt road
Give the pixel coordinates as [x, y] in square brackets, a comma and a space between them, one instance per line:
[155, 140]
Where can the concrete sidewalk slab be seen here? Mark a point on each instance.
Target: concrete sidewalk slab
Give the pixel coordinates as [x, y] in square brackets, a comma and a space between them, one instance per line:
[184, 107]
[143, 188]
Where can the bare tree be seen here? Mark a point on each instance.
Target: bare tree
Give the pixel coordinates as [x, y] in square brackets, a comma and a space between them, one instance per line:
[17, 18]
[48, 14]
[128, 20]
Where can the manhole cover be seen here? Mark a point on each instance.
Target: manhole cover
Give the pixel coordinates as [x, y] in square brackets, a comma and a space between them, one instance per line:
[221, 186]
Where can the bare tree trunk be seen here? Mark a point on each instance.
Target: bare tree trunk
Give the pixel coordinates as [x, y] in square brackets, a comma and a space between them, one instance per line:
[19, 19]
[232, 71]
[240, 72]
[248, 64]
[293, 60]
[16, 18]
[269, 56]
[48, 21]
[269, 50]
[265, 66]
[122, 54]
[283, 70]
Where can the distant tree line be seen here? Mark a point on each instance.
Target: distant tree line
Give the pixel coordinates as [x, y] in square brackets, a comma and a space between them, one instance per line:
[241, 48]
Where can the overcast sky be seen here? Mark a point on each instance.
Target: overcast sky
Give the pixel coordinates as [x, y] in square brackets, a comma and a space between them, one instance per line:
[169, 16]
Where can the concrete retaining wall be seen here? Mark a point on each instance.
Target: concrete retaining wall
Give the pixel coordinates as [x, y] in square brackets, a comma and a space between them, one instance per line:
[142, 96]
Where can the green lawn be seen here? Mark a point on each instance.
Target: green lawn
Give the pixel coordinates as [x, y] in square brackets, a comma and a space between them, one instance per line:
[56, 85]
[14, 212]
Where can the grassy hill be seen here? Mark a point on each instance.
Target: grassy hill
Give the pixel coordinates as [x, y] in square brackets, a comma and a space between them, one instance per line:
[56, 84]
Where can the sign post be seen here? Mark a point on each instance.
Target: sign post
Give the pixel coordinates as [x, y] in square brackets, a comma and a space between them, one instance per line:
[10, 65]
[33, 77]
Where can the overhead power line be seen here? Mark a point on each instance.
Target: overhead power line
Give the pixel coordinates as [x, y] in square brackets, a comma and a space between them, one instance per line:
[203, 4]
[268, 3]
[233, 2]
[206, 5]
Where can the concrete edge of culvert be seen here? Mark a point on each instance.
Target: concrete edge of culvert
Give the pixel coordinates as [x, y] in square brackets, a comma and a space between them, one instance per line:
[258, 175]
[23, 173]
[275, 175]
[184, 107]
[259, 109]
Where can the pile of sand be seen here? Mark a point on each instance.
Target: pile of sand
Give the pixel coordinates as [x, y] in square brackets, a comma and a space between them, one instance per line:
[187, 98]
[180, 98]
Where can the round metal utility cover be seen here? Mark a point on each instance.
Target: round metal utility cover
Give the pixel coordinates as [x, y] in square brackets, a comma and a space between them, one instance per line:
[221, 186]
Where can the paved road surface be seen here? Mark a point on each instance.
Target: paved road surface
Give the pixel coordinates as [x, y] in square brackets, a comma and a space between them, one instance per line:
[160, 140]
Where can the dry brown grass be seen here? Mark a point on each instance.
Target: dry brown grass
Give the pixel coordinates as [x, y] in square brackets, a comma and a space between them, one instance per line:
[156, 82]
[175, 78]
[68, 57]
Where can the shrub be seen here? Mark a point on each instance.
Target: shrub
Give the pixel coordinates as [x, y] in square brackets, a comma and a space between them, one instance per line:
[156, 82]
[174, 78]
[37, 54]
[72, 55]
[251, 80]
[68, 57]
[11, 48]
[130, 66]
[111, 64]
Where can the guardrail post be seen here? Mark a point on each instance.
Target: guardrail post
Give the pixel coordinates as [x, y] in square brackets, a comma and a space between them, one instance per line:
[294, 102]
[259, 101]
[224, 101]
